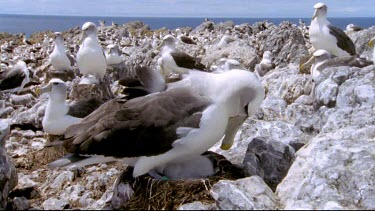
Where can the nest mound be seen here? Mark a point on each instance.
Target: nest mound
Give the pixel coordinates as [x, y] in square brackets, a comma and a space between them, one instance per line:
[151, 194]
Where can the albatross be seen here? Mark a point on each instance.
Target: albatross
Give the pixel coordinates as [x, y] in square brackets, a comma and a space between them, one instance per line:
[175, 61]
[59, 58]
[324, 35]
[59, 115]
[113, 55]
[90, 56]
[15, 78]
[163, 128]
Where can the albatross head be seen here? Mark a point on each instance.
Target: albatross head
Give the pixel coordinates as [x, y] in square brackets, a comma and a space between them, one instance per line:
[89, 28]
[245, 95]
[168, 40]
[56, 88]
[320, 10]
[59, 37]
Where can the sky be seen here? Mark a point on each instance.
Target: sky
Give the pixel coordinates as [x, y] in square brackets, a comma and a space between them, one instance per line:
[187, 8]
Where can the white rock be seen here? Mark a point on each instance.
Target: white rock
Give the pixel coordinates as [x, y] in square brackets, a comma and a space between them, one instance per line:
[62, 179]
[54, 204]
[243, 194]
[197, 205]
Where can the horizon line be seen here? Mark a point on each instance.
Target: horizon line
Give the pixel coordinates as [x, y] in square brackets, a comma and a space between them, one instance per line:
[138, 16]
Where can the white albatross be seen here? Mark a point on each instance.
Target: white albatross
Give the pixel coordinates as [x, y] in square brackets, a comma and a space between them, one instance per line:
[58, 58]
[324, 35]
[59, 115]
[159, 130]
[113, 55]
[90, 56]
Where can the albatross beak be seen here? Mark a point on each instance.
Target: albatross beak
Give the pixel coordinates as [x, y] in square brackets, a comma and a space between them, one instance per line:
[44, 89]
[371, 42]
[308, 63]
[83, 36]
[159, 46]
[234, 124]
[315, 14]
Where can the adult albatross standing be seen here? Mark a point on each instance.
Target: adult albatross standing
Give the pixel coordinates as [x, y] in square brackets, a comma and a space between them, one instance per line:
[162, 128]
[90, 57]
[59, 58]
[324, 35]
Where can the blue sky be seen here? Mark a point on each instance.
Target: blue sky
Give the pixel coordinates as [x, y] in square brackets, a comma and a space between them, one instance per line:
[187, 8]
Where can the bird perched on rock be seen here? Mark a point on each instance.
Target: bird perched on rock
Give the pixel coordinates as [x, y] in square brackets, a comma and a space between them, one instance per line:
[184, 38]
[59, 58]
[15, 78]
[113, 55]
[353, 28]
[25, 41]
[59, 115]
[324, 35]
[224, 41]
[90, 57]
[175, 61]
[265, 65]
[162, 129]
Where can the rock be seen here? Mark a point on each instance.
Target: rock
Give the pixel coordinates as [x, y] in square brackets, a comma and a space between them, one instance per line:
[31, 118]
[269, 160]
[4, 112]
[62, 179]
[326, 92]
[20, 203]
[336, 168]
[244, 194]
[55, 204]
[121, 194]
[21, 99]
[4, 131]
[198, 206]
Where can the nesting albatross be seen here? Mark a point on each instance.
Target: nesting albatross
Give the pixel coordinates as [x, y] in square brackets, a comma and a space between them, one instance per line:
[324, 35]
[14, 79]
[157, 130]
[175, 61]
[59, 115]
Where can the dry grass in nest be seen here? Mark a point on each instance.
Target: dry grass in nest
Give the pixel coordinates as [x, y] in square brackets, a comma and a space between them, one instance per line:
[151, 194]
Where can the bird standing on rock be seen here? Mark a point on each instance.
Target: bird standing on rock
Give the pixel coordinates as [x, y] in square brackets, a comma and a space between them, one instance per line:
[58, 58]
[90, 56]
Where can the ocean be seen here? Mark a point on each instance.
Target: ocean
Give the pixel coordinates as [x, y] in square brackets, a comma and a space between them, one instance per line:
[29, 24]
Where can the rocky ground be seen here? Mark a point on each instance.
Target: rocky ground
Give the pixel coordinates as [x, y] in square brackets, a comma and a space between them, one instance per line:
[300, 151]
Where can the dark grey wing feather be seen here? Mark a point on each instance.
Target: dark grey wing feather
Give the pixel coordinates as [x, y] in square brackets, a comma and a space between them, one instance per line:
[144, 126]
[184, 60]
[82, 108]
[71, 59]
[12, 79]
[343, 41]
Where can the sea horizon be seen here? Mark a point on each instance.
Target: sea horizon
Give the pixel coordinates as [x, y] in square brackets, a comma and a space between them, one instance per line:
[28, 24]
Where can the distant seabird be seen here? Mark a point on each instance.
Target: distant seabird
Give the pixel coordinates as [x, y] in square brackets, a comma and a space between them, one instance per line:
[59, 115]
[224, 41]
[113, 55]
[265, 65]
[175, 61]
[353, 28]
[58, 58]
[14, 79]
[323, 35]
[25, 41]
[163, 128]
[184, 38]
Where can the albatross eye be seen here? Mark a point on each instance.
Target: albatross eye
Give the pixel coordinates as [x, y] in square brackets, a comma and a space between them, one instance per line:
[55, 83]
[246, 108]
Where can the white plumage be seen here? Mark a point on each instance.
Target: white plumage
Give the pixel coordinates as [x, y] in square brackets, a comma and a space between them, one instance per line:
[323, 35]
[56, 120]
[113, 55]
[58, 58]
[90, 56]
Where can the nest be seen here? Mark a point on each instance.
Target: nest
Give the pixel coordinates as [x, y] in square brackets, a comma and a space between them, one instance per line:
[151, 194]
